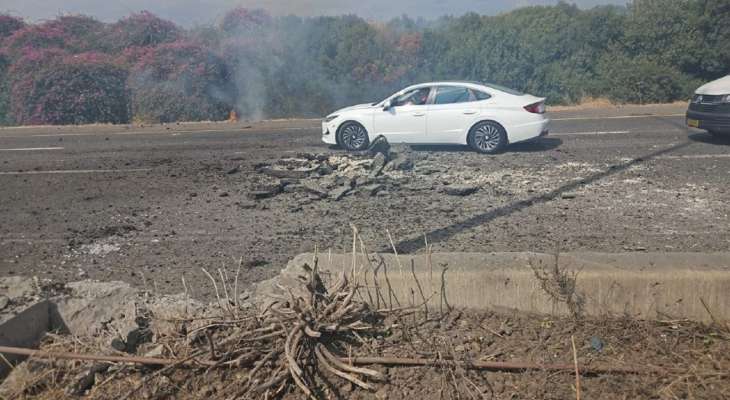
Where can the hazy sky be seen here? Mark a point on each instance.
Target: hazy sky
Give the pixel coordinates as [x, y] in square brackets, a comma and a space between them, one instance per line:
[190, 12]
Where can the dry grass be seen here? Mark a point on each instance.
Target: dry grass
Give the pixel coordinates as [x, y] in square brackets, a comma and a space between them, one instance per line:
[590, 103]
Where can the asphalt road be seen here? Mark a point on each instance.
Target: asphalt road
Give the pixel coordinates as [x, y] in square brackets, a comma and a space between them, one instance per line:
[151, 204]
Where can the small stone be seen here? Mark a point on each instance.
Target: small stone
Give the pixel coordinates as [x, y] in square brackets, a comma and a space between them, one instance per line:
[316, 190]
[266, 191]
[401, 162]
[118, 344]
[247, 205]
[325, 169]
[568, 195]
[338, 193]
[597, 344]
[362, 181]
[4, 301]
[293, 188]
[224, 194]
[156, 351]
[372, 190]
[234, 170]
[460, 190]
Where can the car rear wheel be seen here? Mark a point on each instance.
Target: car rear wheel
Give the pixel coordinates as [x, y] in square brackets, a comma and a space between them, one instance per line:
[353, 137]
[487, 137]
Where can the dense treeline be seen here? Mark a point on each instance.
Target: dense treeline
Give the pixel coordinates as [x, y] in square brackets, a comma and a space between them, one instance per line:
[75, 69]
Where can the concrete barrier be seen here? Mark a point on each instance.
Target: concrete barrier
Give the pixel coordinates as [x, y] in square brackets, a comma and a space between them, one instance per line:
[638, 285]
[25, 329]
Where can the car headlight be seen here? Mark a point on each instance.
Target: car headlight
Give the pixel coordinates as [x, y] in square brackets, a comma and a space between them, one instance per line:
[331, 118]
[725, 99]
[697, 99]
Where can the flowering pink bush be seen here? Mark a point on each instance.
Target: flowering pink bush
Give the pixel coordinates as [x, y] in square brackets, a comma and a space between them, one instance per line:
[34, 37]
[180, 81]
[9, 24]
[241, 19]
[53, 87]
[140, 30]
[74, 33]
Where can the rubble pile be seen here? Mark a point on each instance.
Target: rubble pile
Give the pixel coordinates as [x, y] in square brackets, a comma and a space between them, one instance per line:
[377, 171]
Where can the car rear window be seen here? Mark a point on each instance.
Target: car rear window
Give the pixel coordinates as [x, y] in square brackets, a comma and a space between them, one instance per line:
[504, 89]
[479, 95]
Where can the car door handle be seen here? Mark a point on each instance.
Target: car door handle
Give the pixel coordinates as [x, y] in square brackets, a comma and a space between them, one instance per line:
[418, 114]
[469, 112]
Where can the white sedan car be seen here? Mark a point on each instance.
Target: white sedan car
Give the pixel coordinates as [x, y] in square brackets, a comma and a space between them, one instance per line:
[486, 117]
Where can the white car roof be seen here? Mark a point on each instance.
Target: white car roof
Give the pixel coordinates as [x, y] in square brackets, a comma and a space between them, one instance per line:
[470, 84]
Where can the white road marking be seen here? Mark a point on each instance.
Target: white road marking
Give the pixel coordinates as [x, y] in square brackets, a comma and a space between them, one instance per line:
[33, 149]
[589, 133]
[78, 171]
[617, 117]
[693, 157]
[56, 134]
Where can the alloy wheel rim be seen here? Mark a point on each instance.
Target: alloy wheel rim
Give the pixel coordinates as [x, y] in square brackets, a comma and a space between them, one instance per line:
[354, 136]
[487, 137]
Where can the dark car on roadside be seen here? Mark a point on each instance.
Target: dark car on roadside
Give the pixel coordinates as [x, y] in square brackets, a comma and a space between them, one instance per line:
[709, 108]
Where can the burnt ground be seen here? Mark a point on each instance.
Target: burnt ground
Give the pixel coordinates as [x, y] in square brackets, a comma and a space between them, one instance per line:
[690, 361]
[148, 205]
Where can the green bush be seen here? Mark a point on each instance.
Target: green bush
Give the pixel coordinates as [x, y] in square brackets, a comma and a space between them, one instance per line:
[641, 80]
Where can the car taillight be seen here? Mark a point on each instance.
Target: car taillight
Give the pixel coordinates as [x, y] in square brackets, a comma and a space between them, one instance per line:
[537, 108]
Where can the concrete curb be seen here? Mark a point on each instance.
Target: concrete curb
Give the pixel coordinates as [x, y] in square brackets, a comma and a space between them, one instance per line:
[638, 285]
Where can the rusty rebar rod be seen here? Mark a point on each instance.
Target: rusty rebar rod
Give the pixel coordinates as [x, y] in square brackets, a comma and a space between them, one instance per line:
[96, 357]
[385, 361]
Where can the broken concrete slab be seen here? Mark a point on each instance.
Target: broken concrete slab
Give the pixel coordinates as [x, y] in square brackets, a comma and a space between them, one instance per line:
[639, 285]
[24, 329]
[266, 191]
[340, 192]
[371, 190]
[286, 173]
[118, 314]
[376, 167]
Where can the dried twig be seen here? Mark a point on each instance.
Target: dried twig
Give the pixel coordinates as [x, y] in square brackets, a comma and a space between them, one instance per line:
[577, 370]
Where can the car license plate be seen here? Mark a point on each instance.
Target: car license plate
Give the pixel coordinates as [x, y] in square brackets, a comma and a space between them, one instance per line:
[693, 123]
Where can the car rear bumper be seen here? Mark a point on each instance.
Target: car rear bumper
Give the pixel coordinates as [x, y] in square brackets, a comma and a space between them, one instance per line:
[532, 130]
[716, 122]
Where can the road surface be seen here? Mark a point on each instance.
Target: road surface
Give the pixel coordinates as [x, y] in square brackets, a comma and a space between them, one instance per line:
[149, 205]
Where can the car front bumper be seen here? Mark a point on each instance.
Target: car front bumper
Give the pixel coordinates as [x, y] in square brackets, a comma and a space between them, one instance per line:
[329, 132]
[709, 121]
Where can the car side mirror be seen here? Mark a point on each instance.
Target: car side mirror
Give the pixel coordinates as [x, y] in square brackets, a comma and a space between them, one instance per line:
[387, 105]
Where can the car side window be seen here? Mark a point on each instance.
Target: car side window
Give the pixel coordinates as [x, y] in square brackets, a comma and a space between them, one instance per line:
[452, 95]
[416, 97]
[479, 95]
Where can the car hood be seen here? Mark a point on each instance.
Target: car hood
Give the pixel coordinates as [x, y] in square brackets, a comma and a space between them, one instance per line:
[714, 88]
[355, 107]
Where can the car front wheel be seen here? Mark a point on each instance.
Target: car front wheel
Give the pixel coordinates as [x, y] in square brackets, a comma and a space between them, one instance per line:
[487, 137]
[353, 136]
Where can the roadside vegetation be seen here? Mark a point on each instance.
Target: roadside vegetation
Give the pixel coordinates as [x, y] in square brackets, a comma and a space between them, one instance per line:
[75, 69]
